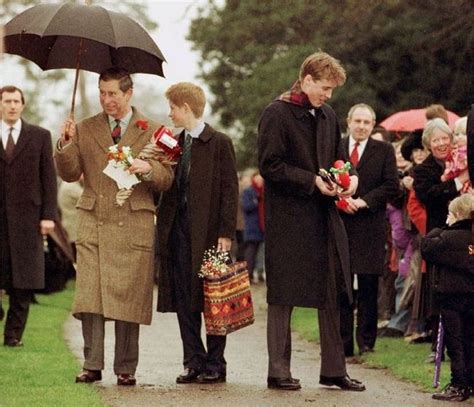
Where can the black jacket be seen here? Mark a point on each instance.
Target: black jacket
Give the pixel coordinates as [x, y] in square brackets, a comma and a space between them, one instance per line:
[450, 249]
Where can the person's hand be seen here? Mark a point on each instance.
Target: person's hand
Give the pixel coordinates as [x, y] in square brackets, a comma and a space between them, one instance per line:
[351, 190]
[353, 205]
[224, 244]
[140, 167]
[324, 187]
[407, 182]
[68, 132]
[46, 226]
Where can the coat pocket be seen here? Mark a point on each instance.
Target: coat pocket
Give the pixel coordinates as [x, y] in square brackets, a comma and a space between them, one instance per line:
[142, 204]
[86, 202]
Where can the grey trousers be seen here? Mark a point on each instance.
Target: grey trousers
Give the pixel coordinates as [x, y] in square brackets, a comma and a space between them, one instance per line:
[126, 344]
[333, 363]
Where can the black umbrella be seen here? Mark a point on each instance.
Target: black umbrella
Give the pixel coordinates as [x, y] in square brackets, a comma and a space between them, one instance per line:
[82, 37]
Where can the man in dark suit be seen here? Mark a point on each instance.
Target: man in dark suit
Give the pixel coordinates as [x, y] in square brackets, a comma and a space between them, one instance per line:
[306, 252]
[365, 223]
[28, 209]
[197, 213]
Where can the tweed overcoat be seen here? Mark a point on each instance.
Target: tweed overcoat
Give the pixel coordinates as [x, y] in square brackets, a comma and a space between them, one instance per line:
[212, 205]
[299, 220]
[115, 263]
[378, 184]
[28, 194]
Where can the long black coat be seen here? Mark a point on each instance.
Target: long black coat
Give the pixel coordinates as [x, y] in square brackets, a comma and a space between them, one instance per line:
[432, 192]
[378, 183]
[448, 249]
[292, 146]
[28, 194]
[212, 204]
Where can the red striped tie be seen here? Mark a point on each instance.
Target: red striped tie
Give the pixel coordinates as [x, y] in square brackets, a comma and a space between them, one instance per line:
[355, 155]
[117, 132]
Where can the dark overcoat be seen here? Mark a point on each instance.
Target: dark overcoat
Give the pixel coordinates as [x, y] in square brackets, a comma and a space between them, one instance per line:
[378, 184]
[299, 220]
[212, 205]
[448, 249]
[432, 192]
[28, 194]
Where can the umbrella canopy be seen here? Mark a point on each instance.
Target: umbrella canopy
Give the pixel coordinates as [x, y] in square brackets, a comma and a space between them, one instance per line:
[82, 37]
[52, 35]
[411, 120]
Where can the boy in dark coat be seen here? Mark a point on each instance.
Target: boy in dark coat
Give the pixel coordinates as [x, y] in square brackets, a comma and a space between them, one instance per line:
[197, 213]
[451, 250]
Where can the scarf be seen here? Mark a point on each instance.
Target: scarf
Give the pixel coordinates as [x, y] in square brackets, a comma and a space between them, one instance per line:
[296, 96]
[261, 205]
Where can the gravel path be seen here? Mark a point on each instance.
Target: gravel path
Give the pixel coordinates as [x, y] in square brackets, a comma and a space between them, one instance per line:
[246, 355]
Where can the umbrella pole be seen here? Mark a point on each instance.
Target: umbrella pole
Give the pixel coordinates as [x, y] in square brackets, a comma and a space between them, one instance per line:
[76, 80]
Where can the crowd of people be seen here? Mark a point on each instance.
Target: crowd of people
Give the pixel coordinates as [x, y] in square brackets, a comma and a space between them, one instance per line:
[387, 253]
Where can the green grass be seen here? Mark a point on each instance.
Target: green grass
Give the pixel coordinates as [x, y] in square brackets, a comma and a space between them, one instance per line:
[42, 372]
[404, 360]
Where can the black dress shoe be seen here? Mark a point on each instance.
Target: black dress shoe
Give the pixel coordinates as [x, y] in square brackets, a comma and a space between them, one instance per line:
[345, 383]
[364, 349]
[13, 343]
[126, 379]
[452, 393]
[89, 376]
[211, 377]
[189, 375]
[283, 384]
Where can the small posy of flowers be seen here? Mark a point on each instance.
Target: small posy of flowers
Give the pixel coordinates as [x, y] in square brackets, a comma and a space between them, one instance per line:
[214, 263]
[122, 156]
[142, 124]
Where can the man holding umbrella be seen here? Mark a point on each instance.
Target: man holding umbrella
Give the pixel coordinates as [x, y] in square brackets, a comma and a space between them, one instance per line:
[114, 243]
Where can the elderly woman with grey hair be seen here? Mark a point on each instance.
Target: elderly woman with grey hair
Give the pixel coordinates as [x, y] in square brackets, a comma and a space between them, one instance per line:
[435, 195]
[430, 190]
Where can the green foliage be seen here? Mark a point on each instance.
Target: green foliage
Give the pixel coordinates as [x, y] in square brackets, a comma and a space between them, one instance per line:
[398, 54]
[42, 372]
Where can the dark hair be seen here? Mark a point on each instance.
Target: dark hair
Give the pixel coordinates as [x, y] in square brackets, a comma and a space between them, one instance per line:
[385, 134]
[11, 89]
[119, 74]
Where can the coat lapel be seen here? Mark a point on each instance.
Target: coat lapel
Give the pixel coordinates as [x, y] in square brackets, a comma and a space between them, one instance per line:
[102, 134]
[367, 154]
[133, 133]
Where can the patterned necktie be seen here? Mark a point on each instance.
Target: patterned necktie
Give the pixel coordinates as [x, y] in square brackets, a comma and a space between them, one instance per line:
[355, 155]
[10, 145]
[184, 162]
[117, 132]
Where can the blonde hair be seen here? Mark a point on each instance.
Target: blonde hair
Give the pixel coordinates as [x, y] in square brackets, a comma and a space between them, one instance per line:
[186, 92]
[434, 111]
[431, 126]
[462, 207]
[321, 65]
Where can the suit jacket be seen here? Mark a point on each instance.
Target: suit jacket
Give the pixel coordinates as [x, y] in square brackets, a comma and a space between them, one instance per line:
[212, 201]
[378, 184]
[115, 266]
[28, 194]
[300, 222]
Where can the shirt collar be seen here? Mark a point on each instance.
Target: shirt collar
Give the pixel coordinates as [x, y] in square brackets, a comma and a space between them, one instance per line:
[124, 121]
[16, 126]
[362, 144]
[195, 133]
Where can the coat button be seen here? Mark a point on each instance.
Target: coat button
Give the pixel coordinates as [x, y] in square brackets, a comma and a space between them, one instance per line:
[101, 196]
[101, 223]
[120, 223]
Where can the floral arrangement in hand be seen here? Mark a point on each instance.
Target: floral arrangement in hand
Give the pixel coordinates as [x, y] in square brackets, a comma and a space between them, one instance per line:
[122, 156]
[338, 174]
[214, 263]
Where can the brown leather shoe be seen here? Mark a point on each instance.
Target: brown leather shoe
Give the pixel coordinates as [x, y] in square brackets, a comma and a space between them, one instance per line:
[126, 379]
[89, 376]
